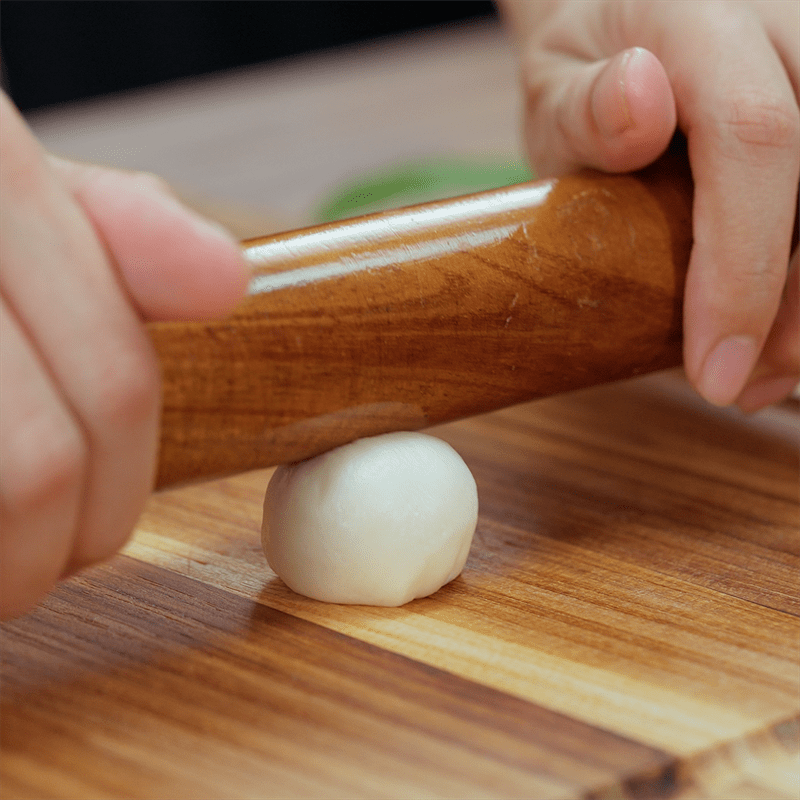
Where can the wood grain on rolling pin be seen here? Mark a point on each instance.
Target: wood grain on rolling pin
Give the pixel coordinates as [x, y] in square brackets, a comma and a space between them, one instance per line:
[409, 318]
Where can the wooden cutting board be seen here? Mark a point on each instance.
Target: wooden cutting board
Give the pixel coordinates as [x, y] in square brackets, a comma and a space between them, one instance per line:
[626, 626]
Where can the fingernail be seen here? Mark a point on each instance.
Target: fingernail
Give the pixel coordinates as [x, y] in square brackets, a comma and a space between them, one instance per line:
[726, 369]
[765, 392]
[616, 117]
[627, 59]
[209, 227]
[203, 225]
[172, 203]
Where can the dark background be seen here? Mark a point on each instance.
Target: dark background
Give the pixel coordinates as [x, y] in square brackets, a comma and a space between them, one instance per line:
[55, 51]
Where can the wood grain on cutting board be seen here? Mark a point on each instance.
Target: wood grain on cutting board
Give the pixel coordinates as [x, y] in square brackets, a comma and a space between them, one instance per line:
[626, 625]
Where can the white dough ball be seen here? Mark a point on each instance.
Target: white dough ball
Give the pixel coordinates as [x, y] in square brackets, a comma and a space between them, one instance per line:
[377, 522]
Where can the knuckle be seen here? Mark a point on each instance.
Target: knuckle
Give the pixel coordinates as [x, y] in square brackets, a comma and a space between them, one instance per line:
[534, 111]
[28, 570]
[152, 183]
[760, 281]
[536, 150]
[19, 594]
[765, 122]
[23, 178]
[127, 389]
[548, 136]
[102, 180]
[22, 168]
[106, 547]
[43, 460]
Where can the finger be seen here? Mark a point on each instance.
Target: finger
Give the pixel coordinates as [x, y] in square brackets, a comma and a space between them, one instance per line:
[615, 115]
[782, 23]
[175, 264]
[778, 371]
[64, 293]
[743, 128]
[41, 474]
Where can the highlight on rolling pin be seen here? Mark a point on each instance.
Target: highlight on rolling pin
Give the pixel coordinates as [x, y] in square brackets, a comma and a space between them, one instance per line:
[408, 318]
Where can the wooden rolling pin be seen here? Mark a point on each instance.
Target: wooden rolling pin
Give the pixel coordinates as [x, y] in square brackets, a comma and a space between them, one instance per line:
[404, 319]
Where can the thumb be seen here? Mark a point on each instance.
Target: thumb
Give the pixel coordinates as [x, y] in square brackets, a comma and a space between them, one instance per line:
[615, 115]
[175, 264]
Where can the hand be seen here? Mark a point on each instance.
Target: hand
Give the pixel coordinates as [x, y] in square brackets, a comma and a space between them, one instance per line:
[608, 81]
[86, 255]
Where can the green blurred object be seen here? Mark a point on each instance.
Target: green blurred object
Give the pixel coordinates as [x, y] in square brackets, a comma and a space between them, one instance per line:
[418, 182]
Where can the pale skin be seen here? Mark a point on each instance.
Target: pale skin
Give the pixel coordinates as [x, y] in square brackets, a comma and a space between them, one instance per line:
[89, 254]
[608, 81]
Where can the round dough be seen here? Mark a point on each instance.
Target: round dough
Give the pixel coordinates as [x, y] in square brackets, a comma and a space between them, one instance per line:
[377, 522]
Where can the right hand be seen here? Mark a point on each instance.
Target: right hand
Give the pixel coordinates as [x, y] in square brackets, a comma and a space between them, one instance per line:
[87, 254]
[607, 82]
